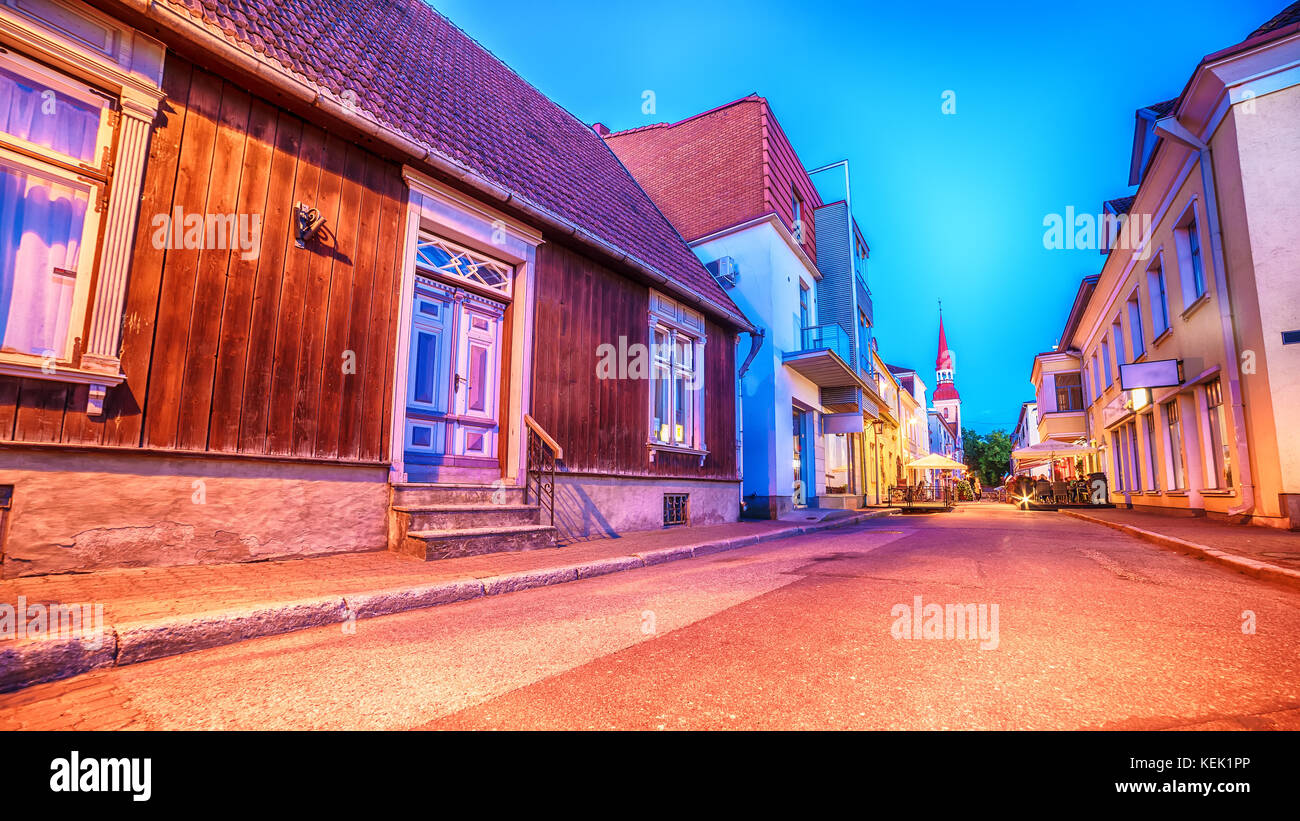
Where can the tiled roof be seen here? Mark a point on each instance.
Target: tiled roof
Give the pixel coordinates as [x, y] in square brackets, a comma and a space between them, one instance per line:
[403, 64]
[721, 168]
[1161, 109]
[1288, 15]
[945, 390]
[1120, 205]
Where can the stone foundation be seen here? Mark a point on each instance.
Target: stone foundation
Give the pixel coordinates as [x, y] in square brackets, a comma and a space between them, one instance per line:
[588, 507]
[90, 510]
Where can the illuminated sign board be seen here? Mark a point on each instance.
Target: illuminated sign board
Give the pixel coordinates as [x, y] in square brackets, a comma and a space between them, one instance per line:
[1162, 373]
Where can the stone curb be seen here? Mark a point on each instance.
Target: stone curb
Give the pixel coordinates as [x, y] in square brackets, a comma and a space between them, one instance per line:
[1251, 567]
[143, 641]
[34, 662]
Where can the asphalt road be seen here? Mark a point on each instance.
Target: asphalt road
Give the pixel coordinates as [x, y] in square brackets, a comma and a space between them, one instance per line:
[1094, 630]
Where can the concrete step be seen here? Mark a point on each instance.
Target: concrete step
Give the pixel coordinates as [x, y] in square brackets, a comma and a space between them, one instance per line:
[461, 516]
[430, 545]
[420, 494]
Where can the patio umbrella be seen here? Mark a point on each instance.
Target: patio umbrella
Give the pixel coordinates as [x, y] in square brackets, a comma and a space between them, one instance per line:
[936, 461]
[1049, 450]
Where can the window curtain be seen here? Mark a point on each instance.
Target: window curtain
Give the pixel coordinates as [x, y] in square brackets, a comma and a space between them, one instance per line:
[40, 115]
[40, 240]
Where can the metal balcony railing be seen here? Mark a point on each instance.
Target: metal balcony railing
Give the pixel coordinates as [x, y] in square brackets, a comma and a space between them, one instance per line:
[830, 337]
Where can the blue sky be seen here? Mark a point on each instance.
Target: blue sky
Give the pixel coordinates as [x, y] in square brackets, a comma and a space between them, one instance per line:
[952, 205]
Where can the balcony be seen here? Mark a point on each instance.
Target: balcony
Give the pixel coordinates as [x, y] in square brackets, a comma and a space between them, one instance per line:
[823, 357]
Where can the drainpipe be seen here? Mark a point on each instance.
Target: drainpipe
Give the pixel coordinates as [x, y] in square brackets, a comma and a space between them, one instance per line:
[756, 336]
[1174, 130]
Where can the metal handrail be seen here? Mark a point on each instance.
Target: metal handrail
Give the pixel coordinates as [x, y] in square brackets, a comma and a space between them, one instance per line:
[546, 437]
[829, 337]
[543, 453]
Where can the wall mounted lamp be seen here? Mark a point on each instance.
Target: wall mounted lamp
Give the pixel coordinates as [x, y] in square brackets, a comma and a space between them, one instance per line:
[307, 223]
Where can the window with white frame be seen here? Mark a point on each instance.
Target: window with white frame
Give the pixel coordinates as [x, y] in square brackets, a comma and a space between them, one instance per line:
[79, 93]
[1149, 442]
[55, 136]
[1069, 391]
[1135, 334]
[1174, 439]
[1158, 296]
[1220, 453]
[796, 211]
[1134, 465]
[677, 338]
[1105, 362]
[1117, 457]
[1191, 263]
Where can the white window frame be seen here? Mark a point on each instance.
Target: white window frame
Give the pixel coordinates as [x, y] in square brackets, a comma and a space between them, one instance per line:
[676, 321]
[1175, 459]
[1217, 461]
[1183, 247]
[1149, 429]
[41, 161]
[1158, 289]
[93, 191]
[89, 55]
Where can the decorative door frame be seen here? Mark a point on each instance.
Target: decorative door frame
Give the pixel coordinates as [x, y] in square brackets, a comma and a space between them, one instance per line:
[436, 208]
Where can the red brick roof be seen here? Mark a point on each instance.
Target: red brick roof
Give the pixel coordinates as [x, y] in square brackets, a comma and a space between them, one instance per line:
[721, 168]
[409, 68]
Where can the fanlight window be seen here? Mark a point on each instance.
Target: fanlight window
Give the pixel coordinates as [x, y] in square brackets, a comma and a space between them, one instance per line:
[441, 257]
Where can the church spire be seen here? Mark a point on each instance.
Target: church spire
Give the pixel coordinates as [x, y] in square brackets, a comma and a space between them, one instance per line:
[945, 367]
[943, 362]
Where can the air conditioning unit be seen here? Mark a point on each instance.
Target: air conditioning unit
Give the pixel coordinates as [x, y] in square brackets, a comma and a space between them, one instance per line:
[724, 270]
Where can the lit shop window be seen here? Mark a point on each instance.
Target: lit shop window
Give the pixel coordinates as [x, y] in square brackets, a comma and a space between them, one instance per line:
[1219, 448]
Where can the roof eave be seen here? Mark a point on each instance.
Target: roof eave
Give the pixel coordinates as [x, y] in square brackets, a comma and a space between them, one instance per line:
[304, 91]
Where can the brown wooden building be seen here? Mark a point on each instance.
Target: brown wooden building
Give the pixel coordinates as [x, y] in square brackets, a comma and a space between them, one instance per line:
[260, 299]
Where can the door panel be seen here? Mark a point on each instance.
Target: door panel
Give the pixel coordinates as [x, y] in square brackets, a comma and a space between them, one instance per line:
[478, 378]
[454, 377]
[428, 391]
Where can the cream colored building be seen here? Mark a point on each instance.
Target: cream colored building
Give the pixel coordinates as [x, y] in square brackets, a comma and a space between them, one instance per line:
[1210, 287]
[914, 429]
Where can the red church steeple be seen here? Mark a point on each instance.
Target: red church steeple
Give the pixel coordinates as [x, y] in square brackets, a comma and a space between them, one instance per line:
[945, 368]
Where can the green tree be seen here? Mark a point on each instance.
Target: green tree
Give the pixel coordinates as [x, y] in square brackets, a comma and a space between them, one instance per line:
[987, 456]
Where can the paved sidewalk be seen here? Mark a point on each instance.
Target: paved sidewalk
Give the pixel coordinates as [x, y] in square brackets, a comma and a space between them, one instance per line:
[1264, 552]
[159, 611]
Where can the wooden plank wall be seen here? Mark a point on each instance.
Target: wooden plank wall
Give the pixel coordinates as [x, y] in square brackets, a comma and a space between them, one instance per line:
[230, 355]
[602, 424]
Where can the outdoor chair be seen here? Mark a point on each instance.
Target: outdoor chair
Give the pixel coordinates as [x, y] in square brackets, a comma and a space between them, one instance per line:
[1043, 490]
[1060, 493]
